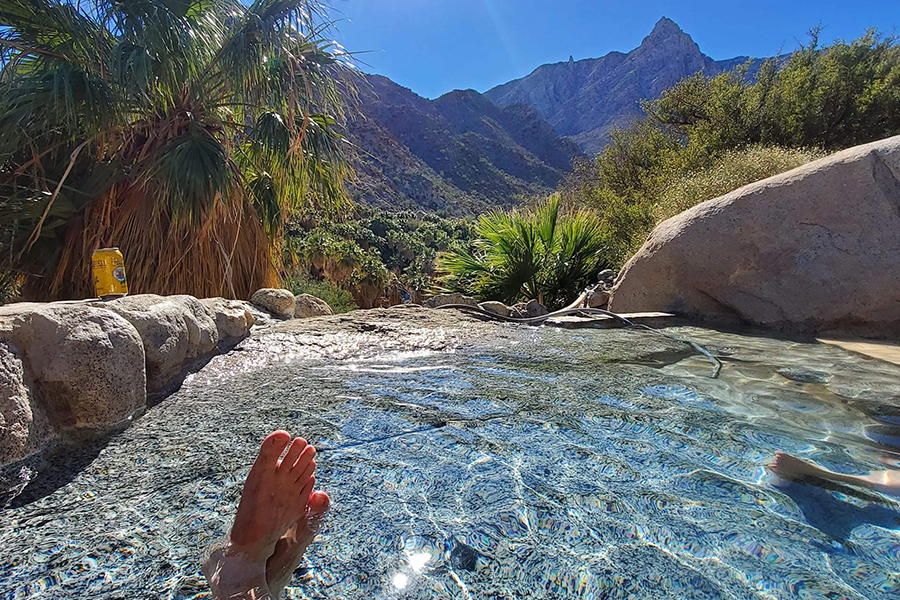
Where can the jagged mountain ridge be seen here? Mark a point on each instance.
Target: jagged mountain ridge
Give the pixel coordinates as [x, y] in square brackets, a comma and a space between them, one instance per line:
[585, 99]
[459, 153]
[466, 152]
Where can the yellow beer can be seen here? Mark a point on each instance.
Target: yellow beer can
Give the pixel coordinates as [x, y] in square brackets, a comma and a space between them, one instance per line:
[109, 272]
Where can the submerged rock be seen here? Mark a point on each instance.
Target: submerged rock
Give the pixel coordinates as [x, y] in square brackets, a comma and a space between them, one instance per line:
[804, 375]
[779, 252]
[496, 307]
[279, 302]
[463, 556]
[174, 330]
[307, 305]
[445, 299]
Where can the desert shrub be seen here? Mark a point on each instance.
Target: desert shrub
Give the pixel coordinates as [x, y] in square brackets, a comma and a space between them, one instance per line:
[830, 97]
[736, 169]
[372, 253]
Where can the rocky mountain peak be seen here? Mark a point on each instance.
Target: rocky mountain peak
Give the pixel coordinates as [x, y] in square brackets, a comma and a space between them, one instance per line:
[667, 36]
[587, 99]
[665, 27]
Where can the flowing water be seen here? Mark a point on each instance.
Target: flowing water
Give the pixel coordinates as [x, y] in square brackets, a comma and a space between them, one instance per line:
[537, 463]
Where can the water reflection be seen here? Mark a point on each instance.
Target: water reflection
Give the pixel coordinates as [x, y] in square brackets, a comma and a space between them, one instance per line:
[543, 465]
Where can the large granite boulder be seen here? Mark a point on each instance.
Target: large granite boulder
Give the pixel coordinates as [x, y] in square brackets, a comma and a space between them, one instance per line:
[307, 305]
[84, 367]
[452, 298]
[813, 249]
[233, 318]
[24, 426]
[279, 302]
[175, 330]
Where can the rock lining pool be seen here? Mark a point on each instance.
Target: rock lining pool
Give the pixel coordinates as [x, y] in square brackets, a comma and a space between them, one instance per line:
[476, 460]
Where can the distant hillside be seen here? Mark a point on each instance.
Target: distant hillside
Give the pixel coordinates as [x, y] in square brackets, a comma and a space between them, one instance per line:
[586, 99]
[459, 153]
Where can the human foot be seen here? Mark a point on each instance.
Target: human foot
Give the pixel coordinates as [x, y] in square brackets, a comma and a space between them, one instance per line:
[275, 497]
[791, 467]
[275, 494]
[290, 548]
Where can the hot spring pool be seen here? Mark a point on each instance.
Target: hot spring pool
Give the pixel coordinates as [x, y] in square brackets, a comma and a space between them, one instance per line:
[534, 463]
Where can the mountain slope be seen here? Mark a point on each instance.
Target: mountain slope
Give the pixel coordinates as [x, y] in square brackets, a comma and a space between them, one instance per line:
[459, 153]
[586, 99]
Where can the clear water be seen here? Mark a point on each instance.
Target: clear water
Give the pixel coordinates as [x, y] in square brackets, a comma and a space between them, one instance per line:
[537, 464]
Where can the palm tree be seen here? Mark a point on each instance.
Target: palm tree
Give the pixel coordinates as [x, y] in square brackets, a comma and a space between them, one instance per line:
[184, 132]
[538, 254]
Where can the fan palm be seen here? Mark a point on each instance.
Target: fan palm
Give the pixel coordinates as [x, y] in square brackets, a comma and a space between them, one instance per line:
[182, 131]
[539, 254]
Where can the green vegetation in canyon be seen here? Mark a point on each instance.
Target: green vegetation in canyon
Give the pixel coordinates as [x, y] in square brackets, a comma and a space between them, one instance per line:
[376, 256]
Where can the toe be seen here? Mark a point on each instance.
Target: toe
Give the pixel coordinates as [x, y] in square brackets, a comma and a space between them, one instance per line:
[305, 493]
[272, 447]
[293, 453]
[306, 474]
[319, 503]
[306, 457]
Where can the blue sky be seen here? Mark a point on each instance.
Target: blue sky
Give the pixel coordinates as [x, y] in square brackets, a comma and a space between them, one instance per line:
[434, 46]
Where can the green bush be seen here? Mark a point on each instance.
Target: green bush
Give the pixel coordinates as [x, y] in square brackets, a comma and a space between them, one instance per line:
[534, 254]
[373, 249]
[340, 300]
[833, 97]
[736, 169]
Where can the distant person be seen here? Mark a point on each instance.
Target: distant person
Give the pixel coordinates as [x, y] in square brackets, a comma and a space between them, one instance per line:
[791, 467]
[277, 518]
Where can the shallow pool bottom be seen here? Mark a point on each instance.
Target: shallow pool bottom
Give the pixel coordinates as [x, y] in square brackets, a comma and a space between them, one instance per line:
[536, 463]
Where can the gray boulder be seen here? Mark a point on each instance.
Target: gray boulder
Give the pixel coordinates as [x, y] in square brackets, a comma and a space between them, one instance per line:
[307, 305]
[24, 426]
[84, 365]
[598, 297]
[495, 307]
[232, 317]
[277, 301]
[810, 250]
[607, 276]
[529, 309]
[174, 330]
[452, 298]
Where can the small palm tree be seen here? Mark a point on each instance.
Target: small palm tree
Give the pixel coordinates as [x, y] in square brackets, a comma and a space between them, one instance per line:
[538, 254]
[182, 131]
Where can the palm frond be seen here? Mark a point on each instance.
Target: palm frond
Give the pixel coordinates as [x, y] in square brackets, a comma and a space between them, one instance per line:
[210, 122]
